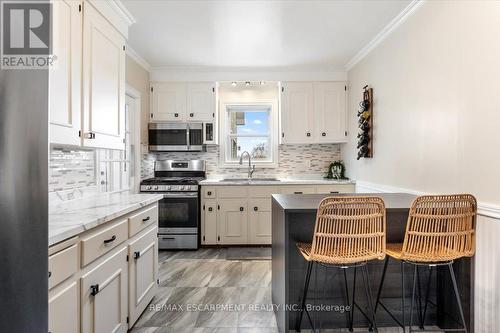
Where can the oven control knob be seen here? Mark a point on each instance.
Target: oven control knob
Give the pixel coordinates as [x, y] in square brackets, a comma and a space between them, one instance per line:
[167, 188]
[156, 187]
[149, 187]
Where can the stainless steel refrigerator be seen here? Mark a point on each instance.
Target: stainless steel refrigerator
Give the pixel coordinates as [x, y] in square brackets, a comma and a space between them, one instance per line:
[23, 201]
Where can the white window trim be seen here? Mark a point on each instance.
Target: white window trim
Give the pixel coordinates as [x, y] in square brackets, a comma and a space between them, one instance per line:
[273, 132]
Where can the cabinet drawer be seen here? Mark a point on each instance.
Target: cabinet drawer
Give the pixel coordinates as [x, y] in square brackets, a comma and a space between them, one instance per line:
[332, 189]
[257, 205]
[142, 219]
[103, 240]
[262, 191]
[62, 265]
[232, 191]
[209, 192]
[298, 189]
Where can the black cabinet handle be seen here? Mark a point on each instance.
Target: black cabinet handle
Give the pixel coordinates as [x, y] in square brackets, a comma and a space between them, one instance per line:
[210, 209]
[137, 255]
[112, 239]
[146, 219]
[191, 115]
[168, 238]
[50, 273]
[176, 115]
[298, 192]
[323, 134]
[256, 208]
[241, 209]
[94, 289]
[333, 192]
[308, 134]
[209, 193]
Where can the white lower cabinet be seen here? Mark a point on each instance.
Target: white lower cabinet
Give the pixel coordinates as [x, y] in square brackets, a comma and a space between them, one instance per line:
[63, 310]
[143, 272]
[259, 221]
[104, 296]
[244, 214]
[233, 221]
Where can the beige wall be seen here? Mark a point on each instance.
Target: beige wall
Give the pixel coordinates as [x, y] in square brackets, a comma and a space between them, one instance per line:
[138, 78]
[436, 79]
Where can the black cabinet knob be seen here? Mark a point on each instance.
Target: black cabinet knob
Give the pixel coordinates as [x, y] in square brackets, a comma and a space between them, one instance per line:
[256, 208]
[209, 193]
[176, 115]
[323, 134]
[241, 209]
[308, 134]
[191, 115]
[210, 209]
[94, 289]
[137, 255]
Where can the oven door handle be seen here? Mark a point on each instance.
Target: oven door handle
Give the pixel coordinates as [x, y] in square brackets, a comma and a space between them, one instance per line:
[180, 195]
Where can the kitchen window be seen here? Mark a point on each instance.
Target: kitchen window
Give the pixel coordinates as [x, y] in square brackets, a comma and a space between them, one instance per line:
[250, 128]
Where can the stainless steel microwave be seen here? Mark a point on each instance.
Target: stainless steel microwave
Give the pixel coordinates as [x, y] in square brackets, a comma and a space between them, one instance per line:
[175, 136]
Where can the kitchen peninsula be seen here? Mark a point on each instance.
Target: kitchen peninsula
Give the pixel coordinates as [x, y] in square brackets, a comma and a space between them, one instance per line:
[293, 219]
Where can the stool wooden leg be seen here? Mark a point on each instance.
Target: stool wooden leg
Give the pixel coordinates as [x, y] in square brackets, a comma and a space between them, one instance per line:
[304, 295]
[457, 295]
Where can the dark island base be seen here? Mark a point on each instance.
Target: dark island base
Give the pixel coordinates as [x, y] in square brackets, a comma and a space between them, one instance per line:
[327, 284]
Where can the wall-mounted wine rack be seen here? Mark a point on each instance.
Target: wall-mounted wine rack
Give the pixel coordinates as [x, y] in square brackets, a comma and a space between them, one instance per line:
[365, 123]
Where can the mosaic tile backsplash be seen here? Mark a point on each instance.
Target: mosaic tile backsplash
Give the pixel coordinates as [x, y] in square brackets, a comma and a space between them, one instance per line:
[294, 160]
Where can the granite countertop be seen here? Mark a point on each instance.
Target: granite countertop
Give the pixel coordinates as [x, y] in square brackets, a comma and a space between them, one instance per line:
[307, 202]
[71, 218]
[277, 181]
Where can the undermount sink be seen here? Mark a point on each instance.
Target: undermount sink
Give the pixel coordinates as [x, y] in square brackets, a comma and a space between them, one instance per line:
[249, 180]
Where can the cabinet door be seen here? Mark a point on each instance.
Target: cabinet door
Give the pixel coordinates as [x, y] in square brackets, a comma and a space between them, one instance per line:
[65, 75]
[168, 102]
[259, 221]
[297, 112]
[103, 82]
[63, 310]
[143, 272]
[209, 223]
[200, 101]
[233, 221]
[330, 111]
[104, 296]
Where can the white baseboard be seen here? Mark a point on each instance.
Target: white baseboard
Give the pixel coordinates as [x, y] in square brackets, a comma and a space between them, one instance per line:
[483, 208]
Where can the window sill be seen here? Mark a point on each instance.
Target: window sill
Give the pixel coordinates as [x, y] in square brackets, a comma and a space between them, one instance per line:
[244, 166]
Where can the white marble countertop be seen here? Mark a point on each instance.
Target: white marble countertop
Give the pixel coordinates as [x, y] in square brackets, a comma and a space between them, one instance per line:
[71, 218]
[276, 181]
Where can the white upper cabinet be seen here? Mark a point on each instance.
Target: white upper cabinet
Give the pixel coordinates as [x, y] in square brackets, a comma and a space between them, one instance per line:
[65, 75]
[177, 101]
[103, 82]
[313, 112]
[168, 101]
[297, 112]
[201, 101]
[330, 111]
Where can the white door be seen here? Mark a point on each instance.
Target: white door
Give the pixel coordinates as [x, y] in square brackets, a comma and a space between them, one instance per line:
[201, 101]
[259, 221]
[103, 82]
[233, 221]
[297, 112]
[63, 310]
[330, 111]
[65, 74]
[168, 101]
[143, 272]
[104, 296]
[209, 225]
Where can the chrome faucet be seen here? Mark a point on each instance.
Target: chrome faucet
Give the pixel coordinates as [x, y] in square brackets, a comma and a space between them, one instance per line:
[251, 168]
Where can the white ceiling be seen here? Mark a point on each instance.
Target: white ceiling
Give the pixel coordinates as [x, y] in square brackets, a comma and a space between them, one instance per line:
[256, 34]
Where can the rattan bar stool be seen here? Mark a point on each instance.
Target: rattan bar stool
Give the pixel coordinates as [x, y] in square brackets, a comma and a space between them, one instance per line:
[349, 232]
[440, 229]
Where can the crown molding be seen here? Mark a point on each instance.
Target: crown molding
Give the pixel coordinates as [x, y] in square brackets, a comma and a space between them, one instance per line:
[138, 58]
[121, 10]
[483, 208]
[386, 31]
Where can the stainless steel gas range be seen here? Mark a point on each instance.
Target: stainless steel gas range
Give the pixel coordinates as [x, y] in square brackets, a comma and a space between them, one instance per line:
[179, 210]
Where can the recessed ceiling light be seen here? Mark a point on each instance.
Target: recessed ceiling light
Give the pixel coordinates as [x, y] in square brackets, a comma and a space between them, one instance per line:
[262, 83]
[233, 83]
[247, 83]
